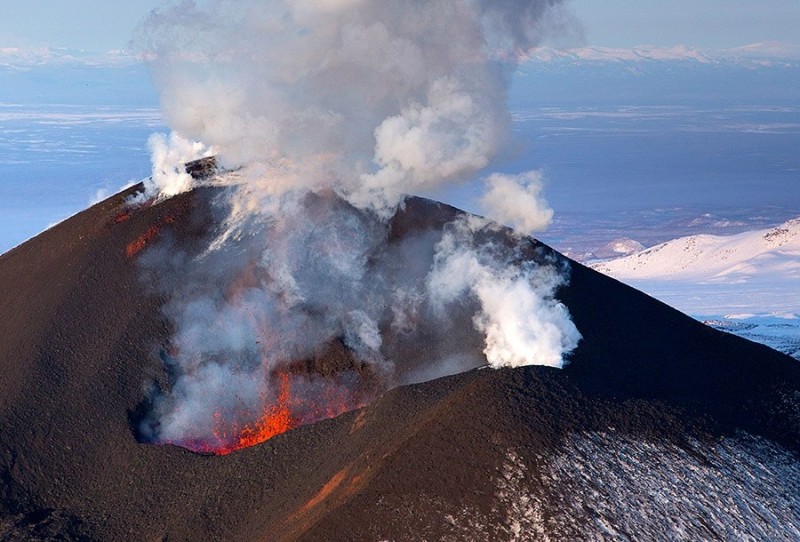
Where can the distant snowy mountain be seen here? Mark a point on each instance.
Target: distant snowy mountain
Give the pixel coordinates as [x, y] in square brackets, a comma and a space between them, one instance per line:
[618, 247]
[747, 284]
[773, 252]
[26, 58]
[611, 54]
[647, 75]
[766, 53]
[767, 50]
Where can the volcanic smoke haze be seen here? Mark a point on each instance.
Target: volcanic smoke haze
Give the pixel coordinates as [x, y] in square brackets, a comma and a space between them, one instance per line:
[327, 114]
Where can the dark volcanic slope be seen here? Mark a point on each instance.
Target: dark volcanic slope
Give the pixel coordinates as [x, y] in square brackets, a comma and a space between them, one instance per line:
[659, 427]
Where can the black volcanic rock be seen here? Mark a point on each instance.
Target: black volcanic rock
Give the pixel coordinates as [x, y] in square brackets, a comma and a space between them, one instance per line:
[202, 168]
[658, 428]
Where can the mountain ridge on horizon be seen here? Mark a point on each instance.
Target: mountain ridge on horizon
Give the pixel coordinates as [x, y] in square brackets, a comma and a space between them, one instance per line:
[709, 256]
[751, 275]
[755, 54]
[763, 54]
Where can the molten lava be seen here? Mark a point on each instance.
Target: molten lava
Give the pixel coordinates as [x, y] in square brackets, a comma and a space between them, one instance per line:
[275, 420]
[288, 411]
[138, 244]
[121, 217]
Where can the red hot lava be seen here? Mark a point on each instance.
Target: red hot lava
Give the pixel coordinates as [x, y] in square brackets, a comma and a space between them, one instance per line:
[290, 409]
[137, 245]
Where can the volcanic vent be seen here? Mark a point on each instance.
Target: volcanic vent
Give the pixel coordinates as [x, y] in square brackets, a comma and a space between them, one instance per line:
[326, 115]
[299, 315]
[298, 393]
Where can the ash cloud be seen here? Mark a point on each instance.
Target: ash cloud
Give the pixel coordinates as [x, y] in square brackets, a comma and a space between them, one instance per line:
[278, 290]
[327, 114]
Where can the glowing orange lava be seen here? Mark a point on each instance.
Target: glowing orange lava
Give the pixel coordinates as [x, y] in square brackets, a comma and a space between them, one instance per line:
[124, 216]
[275, 420]
[229, 437]
[286, 413]
[138, 244]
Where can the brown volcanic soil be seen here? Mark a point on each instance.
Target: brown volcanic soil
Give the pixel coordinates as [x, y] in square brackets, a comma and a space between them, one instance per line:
[79, 338]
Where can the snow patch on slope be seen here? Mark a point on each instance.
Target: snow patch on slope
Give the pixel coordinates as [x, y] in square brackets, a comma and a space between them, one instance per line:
[610, 486]
[606, 485]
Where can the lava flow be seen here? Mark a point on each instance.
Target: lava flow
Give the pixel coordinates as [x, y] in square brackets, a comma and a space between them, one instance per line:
[138, 244]
[275, 420]
[287, 412]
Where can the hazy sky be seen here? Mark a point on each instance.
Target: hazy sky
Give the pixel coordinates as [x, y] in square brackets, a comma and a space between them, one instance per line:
[94, 25]
[699, 23]
[100, 25]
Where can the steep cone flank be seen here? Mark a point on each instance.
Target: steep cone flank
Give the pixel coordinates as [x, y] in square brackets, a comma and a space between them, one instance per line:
[658, 425]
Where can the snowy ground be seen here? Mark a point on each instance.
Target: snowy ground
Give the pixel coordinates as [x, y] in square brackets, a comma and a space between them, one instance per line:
[697, 491]
[782, 334]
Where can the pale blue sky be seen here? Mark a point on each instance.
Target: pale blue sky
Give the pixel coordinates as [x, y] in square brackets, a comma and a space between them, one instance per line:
[93, 25]
[100, 25]
[698, 23]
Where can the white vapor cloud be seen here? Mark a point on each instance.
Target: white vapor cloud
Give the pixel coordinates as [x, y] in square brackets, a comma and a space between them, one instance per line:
[169, 155]
[516, 200]
[522, 321]
[314, 270]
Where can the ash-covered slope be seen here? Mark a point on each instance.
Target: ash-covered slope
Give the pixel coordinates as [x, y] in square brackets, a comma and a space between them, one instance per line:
[659, 427]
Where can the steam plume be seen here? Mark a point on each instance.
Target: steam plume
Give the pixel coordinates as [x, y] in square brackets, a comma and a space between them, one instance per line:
[376, 99]
[168, 156]
[509, 295]
[517, 201]
[331, 112]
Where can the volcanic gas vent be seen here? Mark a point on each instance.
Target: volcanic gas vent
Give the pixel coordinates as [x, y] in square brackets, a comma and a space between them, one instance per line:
[314, 307]
[329, 384]
[202, 168]
[304, 252]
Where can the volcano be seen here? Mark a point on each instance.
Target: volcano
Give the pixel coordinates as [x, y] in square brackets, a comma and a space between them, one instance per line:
[658, 427]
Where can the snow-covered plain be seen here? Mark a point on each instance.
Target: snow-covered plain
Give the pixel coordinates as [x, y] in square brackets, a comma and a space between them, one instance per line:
[780, 333]
[73, 128]
[747, 284]
[56, 159]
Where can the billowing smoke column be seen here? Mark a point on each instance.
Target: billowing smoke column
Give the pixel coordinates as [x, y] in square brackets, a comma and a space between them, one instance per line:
[375, 98]
[329, 113]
